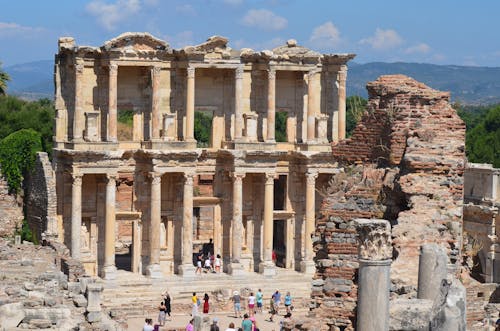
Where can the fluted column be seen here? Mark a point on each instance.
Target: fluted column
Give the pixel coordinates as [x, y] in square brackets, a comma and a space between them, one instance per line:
[109, 270]
[237, 237]
[342, 75]
[155, 103]
[267, 266]
[153, 268]
[307, 264]
[238, 103]
[112, 102]
[271, 105]
[78, 117]
[76, 215]
[312, 105]
[190, 105]
[187, 268]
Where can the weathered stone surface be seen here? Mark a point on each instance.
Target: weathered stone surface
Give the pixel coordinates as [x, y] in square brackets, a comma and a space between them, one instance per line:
[11, 315]
[80, 301]
[410, 315]
[11, 216]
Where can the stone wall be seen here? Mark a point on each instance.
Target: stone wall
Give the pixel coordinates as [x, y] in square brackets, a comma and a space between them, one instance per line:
[40, 198]
[11, 215]
[409, 157]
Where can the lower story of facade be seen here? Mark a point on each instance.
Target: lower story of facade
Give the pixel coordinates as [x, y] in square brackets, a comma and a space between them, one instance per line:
[154, 212]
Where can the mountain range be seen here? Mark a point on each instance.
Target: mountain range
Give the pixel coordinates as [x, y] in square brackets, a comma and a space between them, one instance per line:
[467, 84]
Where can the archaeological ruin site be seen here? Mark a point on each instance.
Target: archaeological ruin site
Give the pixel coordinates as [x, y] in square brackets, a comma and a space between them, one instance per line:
[388, 229]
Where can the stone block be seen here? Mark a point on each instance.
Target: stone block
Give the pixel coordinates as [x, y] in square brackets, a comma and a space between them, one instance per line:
[410, 314]
[80, 301]
[11, 315]
[94, 316]
[39, 323]
[74, 288]
[53, 314]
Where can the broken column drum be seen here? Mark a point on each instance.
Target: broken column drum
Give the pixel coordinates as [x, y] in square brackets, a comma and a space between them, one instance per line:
[375, 257]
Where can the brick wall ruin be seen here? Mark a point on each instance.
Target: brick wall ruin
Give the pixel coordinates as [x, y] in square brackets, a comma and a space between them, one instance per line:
[404, 163]
[40, 198]
[11, 215]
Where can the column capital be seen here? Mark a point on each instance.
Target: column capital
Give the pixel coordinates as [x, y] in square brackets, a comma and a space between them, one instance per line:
[271, 73]
[113, 69]
[311, 178]
[374, 237]
[111, 178]
[188, 178]
[270, 178]
[155, 71]
[342, 75]
[155, 177]
[238, 176]
[77, 179]
[238, 72]
[190, 72]
[79, 67]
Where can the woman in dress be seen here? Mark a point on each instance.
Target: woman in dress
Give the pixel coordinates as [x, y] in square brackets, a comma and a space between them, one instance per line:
[167, 299]
[161, 315]
[206, 305]
[251, 304]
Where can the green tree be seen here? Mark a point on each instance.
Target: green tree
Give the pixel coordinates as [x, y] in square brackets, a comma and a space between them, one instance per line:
[4, 78]
[280, 134]
[355, 108]
[202, 128]
[483, 140]
[17, 156]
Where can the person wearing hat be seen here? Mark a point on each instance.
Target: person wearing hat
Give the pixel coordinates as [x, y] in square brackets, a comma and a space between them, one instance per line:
[214, 326]
[237, 304]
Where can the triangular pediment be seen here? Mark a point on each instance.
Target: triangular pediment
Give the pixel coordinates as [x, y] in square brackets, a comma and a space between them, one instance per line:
[137, 41]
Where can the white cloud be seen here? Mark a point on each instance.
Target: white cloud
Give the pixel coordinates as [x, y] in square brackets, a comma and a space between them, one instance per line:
[264, 19]
[180, 40]
[186, 9]
[325, 36]
[14, 29]
[383, 39]
[421, 48]
[110, 14]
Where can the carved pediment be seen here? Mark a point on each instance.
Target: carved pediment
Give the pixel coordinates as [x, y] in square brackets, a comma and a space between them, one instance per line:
[215, 47]
[293, 50]
[136, 41]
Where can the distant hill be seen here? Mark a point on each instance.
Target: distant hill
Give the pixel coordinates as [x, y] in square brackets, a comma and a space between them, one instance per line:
[469, 85]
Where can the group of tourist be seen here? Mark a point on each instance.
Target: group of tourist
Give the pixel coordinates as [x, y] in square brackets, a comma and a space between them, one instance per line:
[208, 263]
[254, 305]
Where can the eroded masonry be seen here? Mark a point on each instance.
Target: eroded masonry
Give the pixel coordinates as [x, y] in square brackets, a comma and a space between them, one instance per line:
[145, 183]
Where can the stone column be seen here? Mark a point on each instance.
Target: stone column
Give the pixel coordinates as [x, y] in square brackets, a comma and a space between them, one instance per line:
[312, 106]
[153, 269]
[78, 117]
[190, 105]
[307, 265]
[431, 271]
[155, 103]
[136, 247]
[112, 102]
[305, 107]
[235, 267]
[76, 215]
[109, 270]
[375, 257]
[342, 75]
[93, 294]
[271, 105]
[187, 268]
[238, 103]
[267, 266]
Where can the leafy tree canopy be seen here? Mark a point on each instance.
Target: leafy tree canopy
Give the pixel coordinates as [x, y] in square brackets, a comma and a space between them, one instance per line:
[4, 78]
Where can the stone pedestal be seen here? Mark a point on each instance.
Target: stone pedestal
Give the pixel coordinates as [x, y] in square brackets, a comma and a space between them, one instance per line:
[187, 270]
[251, 127]
[431, 271]
[308, 267]
[236, 269]
[267, 268]
[109, 272]
[154, 271]
[94, 302]
[375, 258]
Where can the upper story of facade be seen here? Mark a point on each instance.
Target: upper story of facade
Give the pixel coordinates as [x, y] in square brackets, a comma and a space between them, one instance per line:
[482, 184]
[136, 92]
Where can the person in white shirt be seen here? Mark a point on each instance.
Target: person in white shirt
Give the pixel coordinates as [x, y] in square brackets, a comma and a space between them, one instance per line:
[251, 304]
[148, 326]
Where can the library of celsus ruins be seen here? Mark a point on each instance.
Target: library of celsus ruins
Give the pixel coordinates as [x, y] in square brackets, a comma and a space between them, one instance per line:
[131, 176]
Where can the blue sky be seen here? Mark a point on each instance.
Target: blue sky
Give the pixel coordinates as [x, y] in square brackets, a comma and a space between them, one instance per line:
[441, 31]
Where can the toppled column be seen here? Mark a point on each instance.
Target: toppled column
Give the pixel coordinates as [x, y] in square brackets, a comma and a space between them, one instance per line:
[375, 257]
[431, 271]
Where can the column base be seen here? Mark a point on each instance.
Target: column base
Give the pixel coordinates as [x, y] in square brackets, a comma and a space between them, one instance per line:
[109, 272]
[236, 269]
[267, 268]
[187, 270]
[154, 271]
[308, 267]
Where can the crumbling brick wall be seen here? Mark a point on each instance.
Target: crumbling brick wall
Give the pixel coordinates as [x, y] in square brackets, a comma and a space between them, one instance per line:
[409, 148]
[40, 197]
[11, 210]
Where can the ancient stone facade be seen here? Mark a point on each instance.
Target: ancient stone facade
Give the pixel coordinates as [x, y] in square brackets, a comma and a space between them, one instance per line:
[404, 163]
[144, 184]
